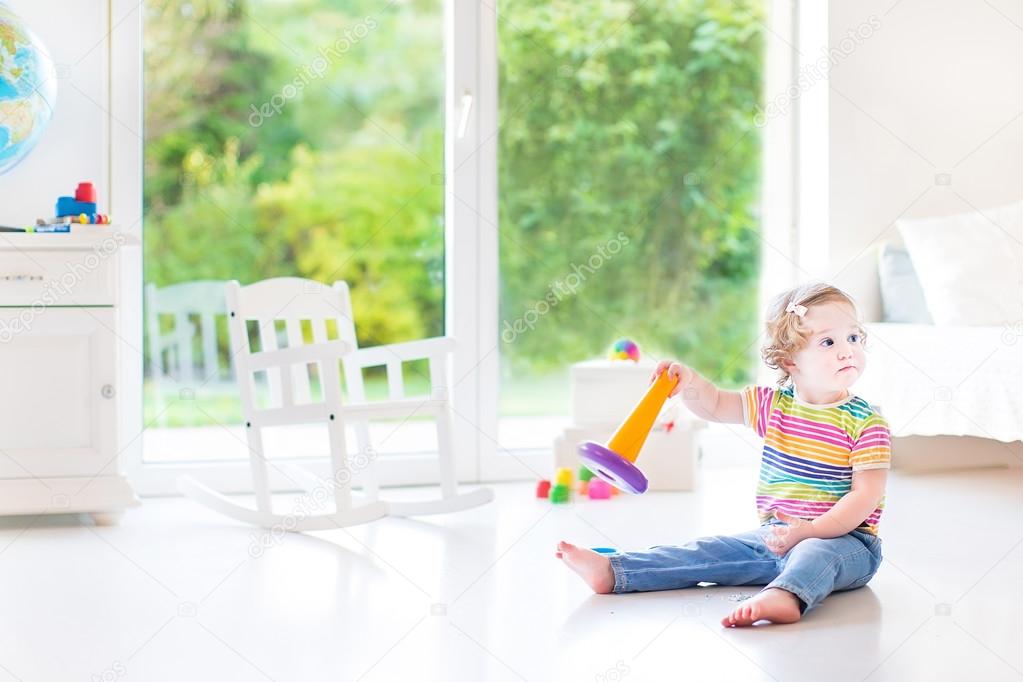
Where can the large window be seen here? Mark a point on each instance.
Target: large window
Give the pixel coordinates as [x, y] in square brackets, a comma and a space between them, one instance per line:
[300, 138]
[629, 165]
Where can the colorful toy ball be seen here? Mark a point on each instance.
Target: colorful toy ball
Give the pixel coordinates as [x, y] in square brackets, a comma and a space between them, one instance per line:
[599, 489]
[624, 349]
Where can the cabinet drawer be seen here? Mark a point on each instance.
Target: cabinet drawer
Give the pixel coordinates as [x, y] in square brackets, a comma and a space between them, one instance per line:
[57, 277]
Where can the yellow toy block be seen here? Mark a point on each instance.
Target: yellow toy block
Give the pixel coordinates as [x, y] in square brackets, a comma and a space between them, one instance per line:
[563, 476]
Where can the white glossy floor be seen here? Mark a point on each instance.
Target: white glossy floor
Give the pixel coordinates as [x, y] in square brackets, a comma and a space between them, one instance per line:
[177, 593]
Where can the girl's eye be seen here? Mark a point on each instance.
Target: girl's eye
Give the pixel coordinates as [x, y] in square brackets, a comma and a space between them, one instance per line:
[827, 343]
[854, 338]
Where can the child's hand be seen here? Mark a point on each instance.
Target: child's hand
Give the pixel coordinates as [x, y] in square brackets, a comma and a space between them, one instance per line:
[783, 538]
[675, 370]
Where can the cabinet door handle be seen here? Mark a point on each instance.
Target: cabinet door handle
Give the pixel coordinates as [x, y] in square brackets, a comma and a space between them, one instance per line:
[107, 391]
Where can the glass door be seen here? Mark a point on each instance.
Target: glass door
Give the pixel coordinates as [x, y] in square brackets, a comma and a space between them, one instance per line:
[302, 138]
[628, 185]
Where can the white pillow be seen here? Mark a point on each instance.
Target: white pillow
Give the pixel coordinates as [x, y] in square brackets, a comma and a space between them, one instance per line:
[970, 265]
[902, 298]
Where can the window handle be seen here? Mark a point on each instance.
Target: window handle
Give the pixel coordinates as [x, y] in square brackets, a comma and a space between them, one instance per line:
[463, 119]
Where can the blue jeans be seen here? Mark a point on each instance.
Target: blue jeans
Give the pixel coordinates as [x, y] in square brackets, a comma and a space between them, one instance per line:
[811, 570]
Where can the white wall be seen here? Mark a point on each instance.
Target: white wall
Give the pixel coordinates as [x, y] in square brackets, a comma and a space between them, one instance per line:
[95, 135]
[936, 89]
[75, 146]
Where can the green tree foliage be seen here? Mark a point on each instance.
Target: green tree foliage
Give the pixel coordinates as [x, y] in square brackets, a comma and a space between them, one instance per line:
[338, 183]
[635, 118]
[202, 72]
[632, 117]
[339, 214]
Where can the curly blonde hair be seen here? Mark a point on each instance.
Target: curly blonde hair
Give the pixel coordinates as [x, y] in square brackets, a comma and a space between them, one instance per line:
[787, 332]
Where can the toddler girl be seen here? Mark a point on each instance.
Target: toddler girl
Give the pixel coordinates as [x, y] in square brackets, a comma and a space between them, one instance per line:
[822, 474]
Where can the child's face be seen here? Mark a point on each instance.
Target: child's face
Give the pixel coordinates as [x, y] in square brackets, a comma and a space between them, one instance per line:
[833, 358]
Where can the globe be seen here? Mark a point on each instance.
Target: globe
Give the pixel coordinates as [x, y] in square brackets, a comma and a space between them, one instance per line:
[28, 89]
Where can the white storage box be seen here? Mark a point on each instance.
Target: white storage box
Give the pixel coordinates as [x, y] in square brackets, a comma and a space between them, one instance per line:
[605, 391]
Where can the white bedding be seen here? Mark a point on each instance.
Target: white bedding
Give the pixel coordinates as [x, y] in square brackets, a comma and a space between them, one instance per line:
[946, 380]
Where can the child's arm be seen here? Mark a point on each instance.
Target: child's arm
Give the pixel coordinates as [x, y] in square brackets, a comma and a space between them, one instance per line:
[703, 398]
[849, 512]
[846, 515]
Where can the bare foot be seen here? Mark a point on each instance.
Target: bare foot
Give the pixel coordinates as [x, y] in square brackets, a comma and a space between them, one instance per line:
[773, 604]
[591, 566]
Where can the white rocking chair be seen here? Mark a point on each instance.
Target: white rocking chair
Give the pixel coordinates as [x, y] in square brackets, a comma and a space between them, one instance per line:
[294, 300]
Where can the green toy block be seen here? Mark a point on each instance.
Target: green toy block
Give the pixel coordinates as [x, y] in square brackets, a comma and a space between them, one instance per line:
[560, 494]
[585, 474]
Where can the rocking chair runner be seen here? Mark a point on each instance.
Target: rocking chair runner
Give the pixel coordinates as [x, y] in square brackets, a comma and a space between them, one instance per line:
[294, 300]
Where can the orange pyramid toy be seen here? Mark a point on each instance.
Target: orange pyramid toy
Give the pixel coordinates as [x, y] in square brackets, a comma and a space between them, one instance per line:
[615, 462]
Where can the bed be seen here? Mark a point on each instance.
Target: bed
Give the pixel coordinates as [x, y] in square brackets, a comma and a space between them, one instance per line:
[946, 352]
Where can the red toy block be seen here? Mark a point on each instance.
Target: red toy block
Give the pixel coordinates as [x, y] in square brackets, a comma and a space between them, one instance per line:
[543, 489]
[86, 191]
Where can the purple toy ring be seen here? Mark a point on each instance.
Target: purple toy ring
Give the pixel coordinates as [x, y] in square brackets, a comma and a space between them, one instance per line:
[613, 468]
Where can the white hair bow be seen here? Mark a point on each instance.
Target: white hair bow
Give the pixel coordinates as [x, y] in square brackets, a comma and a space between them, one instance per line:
[799, 310]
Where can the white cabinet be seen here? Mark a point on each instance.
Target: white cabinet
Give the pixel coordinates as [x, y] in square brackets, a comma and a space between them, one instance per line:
[59, 389]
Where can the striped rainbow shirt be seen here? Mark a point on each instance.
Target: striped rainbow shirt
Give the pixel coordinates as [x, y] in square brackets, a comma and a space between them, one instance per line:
[810, 452]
